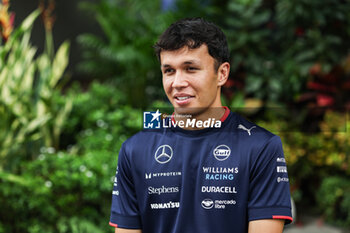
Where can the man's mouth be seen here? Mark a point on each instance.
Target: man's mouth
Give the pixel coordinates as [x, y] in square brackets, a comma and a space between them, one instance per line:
[182, 97]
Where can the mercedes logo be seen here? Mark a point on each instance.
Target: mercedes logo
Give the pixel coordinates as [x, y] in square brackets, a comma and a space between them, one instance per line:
[163, 154]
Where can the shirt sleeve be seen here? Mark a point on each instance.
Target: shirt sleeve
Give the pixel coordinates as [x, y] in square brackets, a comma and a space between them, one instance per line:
[269, 195]
[124, 210]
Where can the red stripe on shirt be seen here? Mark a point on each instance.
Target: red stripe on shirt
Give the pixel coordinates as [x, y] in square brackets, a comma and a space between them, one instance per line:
[227, 112]
[282, 217]
[113, 224]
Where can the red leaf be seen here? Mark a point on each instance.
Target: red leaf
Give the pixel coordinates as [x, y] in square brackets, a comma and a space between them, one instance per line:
[320, 87]
[299, 31]
[12, 19]
[324, 100]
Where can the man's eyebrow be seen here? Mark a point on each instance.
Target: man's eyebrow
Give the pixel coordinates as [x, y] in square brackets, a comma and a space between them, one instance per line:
[189, 62]
[165, 66]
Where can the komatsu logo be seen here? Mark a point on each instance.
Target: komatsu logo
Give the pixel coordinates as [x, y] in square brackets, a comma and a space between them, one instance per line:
[167, 205]
[222, 152]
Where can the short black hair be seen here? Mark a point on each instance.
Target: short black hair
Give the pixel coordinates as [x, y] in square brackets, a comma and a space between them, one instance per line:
[193, 32]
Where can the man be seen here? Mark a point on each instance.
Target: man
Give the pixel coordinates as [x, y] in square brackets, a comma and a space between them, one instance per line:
[194, 179]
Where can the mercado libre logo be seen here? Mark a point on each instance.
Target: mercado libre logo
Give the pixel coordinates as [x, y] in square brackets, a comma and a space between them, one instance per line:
[157, 120]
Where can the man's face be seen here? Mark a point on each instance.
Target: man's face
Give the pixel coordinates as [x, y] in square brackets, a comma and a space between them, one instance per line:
[190, 80]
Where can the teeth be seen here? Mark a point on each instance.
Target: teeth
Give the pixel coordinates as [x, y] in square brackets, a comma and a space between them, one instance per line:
[183, 98]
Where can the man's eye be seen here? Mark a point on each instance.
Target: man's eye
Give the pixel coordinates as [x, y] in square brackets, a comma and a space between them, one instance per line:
[191, 68]
[168, 71]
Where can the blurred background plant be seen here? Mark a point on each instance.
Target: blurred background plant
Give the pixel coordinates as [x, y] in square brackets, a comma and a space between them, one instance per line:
[277, 47]
[29, 117]
[59, 139]
[124, 55]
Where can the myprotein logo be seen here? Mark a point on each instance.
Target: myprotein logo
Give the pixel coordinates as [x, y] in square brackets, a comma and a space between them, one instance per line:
[167, 205]
[222, 152]
[153, 175]
[162, 190]
[148, 176]
[218, 189]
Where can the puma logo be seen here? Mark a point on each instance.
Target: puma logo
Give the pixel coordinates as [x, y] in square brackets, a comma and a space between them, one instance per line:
[244, 128]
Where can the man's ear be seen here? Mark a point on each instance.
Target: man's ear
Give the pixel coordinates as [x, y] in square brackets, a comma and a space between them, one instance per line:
[223, 73]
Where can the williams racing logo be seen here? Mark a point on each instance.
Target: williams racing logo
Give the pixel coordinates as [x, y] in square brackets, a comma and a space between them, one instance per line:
[220, 173]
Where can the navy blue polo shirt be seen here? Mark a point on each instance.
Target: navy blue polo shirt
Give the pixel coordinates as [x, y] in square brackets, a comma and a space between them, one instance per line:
[173, 180]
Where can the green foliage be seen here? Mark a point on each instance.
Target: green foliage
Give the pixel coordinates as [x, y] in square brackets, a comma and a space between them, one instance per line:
[70, 191]
[56, 189]
[328, 148]
[273, 45]
[318, 163]
[59, 152]
[276, 44]
[126, 55]
[29, 118]
[100, 109]
[334, 198]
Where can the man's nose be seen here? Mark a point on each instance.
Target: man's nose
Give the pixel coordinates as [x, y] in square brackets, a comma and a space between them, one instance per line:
[180, 80]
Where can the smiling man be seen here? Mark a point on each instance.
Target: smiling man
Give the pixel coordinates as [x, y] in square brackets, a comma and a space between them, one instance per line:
[196, 179]
[192, 81]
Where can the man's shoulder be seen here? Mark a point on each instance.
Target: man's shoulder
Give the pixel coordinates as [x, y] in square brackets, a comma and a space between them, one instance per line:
[245, 126]
[254, 139]
[252, 133]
